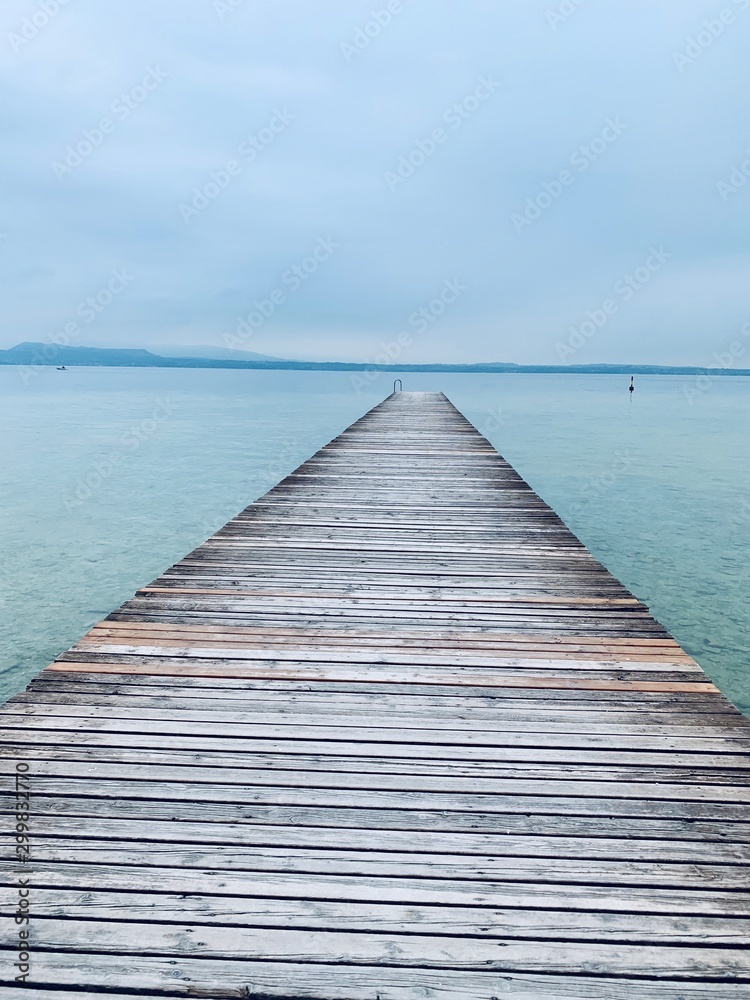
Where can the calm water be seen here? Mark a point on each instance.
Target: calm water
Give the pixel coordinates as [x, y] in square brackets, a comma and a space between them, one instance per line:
[111, 475]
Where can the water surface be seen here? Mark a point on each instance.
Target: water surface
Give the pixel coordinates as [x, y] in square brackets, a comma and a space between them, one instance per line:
[109, 476]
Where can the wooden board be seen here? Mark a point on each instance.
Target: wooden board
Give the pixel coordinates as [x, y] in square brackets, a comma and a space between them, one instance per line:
[391, 733]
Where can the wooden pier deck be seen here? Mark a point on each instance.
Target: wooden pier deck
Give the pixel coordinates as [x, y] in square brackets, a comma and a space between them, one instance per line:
[391, 734]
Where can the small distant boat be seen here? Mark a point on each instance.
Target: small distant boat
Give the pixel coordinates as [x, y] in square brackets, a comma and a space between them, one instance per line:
[62, 368]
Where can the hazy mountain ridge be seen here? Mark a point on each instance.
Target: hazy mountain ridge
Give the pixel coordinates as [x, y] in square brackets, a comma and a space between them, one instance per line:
[210, 352]
[39, 354]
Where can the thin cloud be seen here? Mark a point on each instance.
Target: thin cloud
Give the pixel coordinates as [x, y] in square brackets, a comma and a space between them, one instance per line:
[323, 176]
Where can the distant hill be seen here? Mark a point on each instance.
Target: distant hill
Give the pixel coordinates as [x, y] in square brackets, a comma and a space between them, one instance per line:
[30, 353]
[208, 351]
[37, 354]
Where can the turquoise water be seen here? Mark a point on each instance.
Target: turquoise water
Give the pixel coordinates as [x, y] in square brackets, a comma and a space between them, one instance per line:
[111, 475]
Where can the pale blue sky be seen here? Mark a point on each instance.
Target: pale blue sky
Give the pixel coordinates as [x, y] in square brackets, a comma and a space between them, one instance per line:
[187, 87]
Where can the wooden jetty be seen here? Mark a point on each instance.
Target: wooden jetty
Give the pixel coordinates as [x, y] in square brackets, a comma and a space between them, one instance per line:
[391, 734]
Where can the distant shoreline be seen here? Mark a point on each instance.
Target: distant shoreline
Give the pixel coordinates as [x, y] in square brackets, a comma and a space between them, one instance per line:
[335, 366]
[41, 355]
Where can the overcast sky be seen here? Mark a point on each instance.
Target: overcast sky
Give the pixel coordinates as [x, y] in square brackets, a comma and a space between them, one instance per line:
[546, 181]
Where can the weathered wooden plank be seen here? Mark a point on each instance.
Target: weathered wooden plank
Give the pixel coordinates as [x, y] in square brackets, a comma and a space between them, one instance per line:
[368, 877]
[411, 715]
[22, 993]
[398, 695]
[354, 651]
[236, 767]
[207, 978]
[351, 699]
[402, 810]
[472, 792]
[453, 639]
[334, 655]
[404, 950]
[585, 681]
[419, 729]
[213, 826]
[453, 741]
[388, 918]
[469, 850]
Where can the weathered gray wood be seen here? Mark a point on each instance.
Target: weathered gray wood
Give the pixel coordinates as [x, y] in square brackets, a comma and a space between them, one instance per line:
[390, 771]
[448, 743]
[390, 918]
[229, 866]
[331, 696]
[405, 950]
[489, 848]
[207, 978]
[350, 866]
[404, 811]
[459, 730]
[328, 699]
[532, 719]
[475, 793]
[215, 826]
[578, 676]
[392, 728]
[22, 993]
[392, 758]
